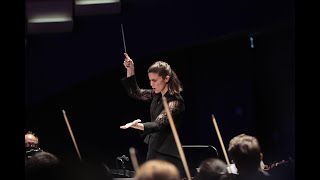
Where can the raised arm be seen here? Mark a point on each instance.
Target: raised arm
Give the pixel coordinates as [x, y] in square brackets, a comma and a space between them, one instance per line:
[129, 65]
[131, 84]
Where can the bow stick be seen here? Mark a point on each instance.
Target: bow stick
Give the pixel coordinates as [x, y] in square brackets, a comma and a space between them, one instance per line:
[176, 138]
[70, 131]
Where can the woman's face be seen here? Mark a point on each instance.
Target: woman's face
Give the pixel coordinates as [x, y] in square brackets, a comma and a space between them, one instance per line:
[157, 83]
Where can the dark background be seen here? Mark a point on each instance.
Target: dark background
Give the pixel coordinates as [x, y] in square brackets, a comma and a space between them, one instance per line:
[249, 90]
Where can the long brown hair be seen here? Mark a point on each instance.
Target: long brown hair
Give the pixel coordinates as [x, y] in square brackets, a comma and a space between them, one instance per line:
[163, 69]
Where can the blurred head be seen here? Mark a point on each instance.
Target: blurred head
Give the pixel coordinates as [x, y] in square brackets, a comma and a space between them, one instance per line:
[31, 140]
[245, 152]
[163, 78]
[42, 165]
[212, 169]
[87, 170]
[157, 170]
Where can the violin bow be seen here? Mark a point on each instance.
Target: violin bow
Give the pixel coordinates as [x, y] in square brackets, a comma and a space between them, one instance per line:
[176, 137]
[134, 160]
[70, 131]
[221, 142]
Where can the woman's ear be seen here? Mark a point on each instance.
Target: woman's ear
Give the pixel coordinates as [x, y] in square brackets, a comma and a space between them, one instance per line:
[167, 79]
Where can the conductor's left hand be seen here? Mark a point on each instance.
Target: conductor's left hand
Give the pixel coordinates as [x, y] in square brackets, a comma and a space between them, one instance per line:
[132, 124]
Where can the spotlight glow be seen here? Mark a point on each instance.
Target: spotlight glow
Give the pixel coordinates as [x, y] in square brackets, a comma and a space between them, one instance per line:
[50, 19]
[88, 2]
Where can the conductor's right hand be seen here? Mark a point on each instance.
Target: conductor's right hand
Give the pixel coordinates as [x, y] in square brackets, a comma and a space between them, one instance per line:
[129, 65]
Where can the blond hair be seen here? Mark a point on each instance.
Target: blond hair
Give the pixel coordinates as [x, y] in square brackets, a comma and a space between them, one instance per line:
[157, 170]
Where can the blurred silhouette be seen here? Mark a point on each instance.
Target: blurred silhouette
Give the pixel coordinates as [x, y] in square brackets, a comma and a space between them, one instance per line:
[245, 152]
[213, 169]
[157, 170]
[31, 144]
[43, 165]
